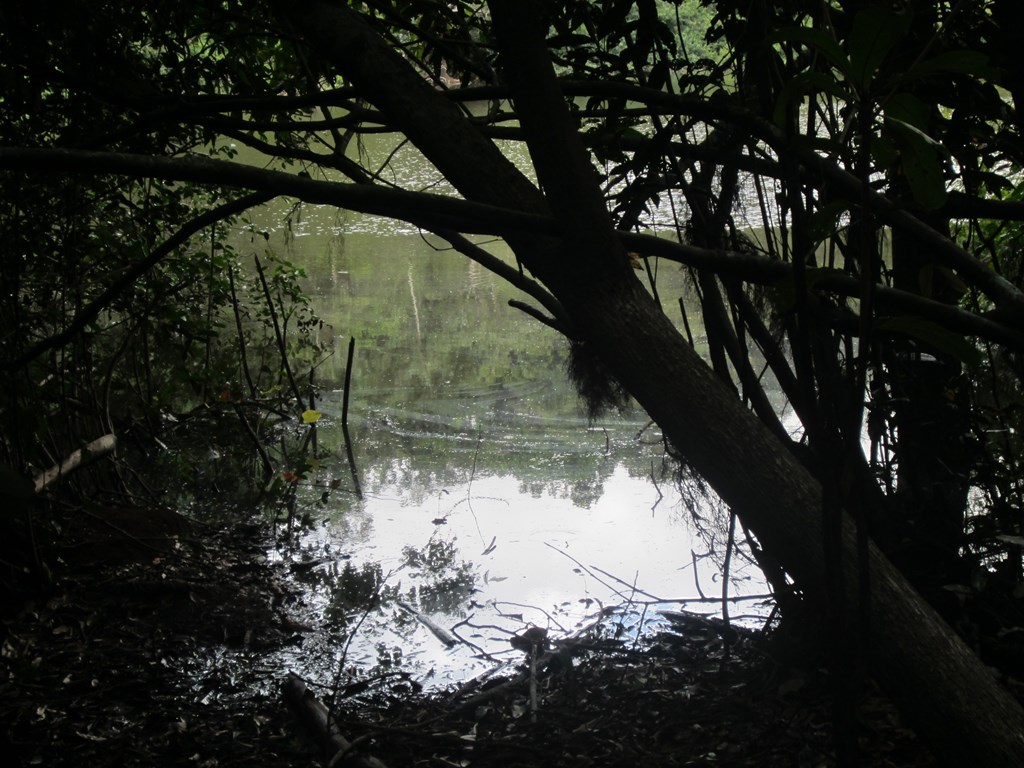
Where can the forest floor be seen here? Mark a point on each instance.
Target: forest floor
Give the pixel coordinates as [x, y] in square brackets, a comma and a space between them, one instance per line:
[150, 645]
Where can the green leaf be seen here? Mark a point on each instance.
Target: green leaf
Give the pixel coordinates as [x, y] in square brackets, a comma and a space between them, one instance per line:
[816, 39]
[934, 336]
[917, 134]
[922, 160]
[824, 222]
[909, 109]
[806, 83]
[310, 416]
[876, 30]
[963, 62]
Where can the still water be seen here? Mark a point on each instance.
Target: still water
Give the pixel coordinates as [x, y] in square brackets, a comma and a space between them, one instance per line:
[488, 502]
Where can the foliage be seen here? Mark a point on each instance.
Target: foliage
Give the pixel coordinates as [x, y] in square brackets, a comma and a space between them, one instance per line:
[842, 180]
[121, 295]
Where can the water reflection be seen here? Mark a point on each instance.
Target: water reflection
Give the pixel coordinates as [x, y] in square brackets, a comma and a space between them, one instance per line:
[540, 521]
[487, 497]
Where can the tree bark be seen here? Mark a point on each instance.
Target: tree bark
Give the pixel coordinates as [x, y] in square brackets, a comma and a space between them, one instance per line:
[77, 459]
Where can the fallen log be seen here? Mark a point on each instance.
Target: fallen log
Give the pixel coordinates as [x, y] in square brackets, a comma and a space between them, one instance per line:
[312, 713]
[99, 447]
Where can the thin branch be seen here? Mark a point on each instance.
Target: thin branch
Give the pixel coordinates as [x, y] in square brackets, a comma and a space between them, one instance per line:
[439, 213]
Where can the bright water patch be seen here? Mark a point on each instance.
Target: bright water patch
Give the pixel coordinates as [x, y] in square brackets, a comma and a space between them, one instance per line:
[489, 528]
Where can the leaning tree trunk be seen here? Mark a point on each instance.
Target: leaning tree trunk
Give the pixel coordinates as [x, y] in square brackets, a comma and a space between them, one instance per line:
[948, 696]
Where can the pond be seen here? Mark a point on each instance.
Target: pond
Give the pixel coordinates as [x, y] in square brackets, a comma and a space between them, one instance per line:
[488, 501]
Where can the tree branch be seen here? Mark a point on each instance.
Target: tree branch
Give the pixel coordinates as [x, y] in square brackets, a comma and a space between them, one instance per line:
[448, 214]
[421, 209]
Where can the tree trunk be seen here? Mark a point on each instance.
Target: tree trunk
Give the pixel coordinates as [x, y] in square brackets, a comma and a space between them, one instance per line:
[932, 432]
[950, 698]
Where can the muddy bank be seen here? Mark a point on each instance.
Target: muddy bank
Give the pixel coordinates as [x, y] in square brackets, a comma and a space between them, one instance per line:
[165, 649]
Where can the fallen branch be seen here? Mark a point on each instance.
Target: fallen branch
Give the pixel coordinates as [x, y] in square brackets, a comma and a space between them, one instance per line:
[511, 684]
[312, 713]
[540, 658]
[98, 448]
[440, 632]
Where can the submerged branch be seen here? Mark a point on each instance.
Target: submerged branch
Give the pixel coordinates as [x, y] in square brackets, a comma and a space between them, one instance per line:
[442, 634]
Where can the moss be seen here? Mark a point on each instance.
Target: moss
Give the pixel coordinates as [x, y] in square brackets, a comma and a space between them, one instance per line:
[596, 385]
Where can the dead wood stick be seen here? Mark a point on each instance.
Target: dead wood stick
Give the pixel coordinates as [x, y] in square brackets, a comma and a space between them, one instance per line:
[440, 632]
[502, 688]
[77, 459]
[475, 683]
[625, 583]
[543, 661]
[312, 713]
[533, 683]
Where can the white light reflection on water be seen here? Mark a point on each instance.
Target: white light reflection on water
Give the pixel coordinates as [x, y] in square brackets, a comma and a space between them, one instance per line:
[532, 553]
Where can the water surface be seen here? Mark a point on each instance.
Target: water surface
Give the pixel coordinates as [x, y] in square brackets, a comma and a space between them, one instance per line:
[486, 494]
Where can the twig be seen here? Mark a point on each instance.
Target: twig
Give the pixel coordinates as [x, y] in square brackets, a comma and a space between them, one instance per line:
[536, 314]
[654, 482]
[472, 685]
[243, 356]
[585, 568]
[348, 381]
[268, 465]
[563, 645]
[469, 491]
[470, 643]
[729, 545]
[684, 600]
[550, 618]
[533, 682]
[344, 417]
[278, 335]
[633, 587]
[696, 576]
